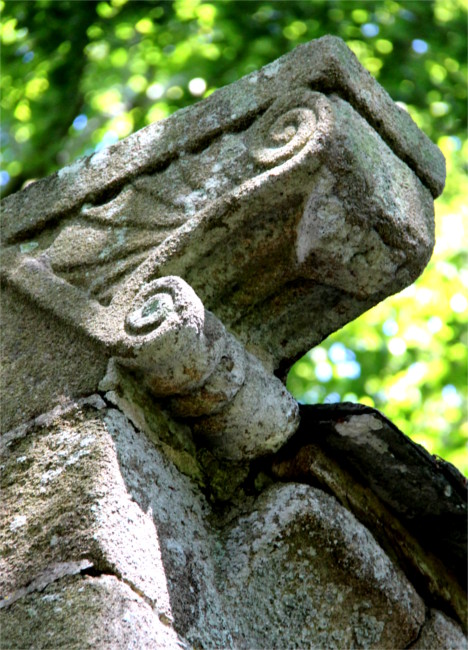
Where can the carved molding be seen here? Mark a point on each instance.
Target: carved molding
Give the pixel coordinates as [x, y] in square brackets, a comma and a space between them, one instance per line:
[181, 352]
[278, 219]
[286, 213]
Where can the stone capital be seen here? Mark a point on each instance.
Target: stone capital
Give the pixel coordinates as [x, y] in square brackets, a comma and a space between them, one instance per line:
[291, 201]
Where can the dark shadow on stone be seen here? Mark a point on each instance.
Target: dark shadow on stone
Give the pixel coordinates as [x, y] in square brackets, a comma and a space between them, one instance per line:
[393, 485]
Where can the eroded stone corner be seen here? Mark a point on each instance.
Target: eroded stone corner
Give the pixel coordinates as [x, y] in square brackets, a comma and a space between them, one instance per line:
[86, 494]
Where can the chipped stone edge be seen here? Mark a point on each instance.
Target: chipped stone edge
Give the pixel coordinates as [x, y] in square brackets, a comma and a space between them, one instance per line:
[46, 419]
[53, 573]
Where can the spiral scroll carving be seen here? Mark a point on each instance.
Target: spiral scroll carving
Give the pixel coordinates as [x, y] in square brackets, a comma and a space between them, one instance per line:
[289, 125]
[166, 332]
[163, 304]
[183, 354]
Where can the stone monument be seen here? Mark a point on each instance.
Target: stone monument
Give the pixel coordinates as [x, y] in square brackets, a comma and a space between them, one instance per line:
[161, 488]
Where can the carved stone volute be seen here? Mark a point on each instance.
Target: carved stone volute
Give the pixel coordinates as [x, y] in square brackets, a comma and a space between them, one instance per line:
[288, 213]
[162, 488]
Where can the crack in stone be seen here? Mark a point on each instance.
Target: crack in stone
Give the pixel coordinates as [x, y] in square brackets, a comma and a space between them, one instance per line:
[418, 636]
[51, 574]
[55, 573]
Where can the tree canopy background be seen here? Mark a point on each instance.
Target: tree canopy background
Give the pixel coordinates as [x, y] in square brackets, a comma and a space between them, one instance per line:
[80, 75]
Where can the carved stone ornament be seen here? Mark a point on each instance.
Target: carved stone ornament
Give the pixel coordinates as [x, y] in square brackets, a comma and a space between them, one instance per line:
[161, 488]
[290, 201]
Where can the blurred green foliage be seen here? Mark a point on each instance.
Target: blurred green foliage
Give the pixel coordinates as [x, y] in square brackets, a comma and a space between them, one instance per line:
[79, 75]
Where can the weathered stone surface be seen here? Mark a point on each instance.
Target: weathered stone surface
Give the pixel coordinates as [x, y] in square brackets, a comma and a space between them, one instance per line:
[284, 205]
[415, 505]
[42, 362]
[65, 501]
[85, 612]
[86, 494]
[440, 633]
[175, 346]
[275, 198]
[301, 571]
[82, 484]
[325, 63]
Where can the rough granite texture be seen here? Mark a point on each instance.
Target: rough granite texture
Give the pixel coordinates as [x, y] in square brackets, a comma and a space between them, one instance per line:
[179, 348]
[84, 612]
[175, 272]
[272, 205]
[414, 503]
[325, 63]
[86, 494]
[440, 632]
[300, 570]
[41, 361]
